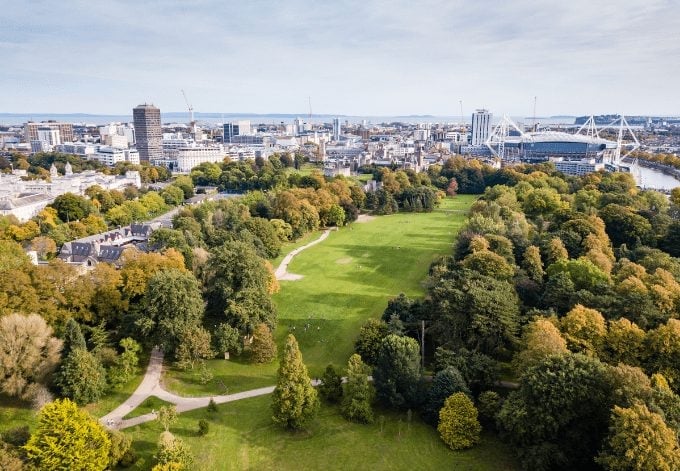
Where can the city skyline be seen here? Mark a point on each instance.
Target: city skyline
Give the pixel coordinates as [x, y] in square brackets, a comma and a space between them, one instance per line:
[351, 58]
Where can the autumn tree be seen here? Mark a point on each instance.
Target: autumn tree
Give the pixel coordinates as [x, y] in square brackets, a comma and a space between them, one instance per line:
[358, 392]
[458, 425]
[68, 438]
[541, 338]
[532, 264]
[194, 344]
[639, 439]
[167, 415]
[28, 353]
[624, 342]
[172, 450]
[584, 329]
[227, 340]
[294, 400]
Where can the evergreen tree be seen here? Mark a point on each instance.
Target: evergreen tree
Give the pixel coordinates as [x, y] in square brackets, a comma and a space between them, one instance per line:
[73, 338]
[356, 402]
[82, 377]
[263, 348]
[397, 372]
[68, 438]
[331, 385]
[173, 450]
[445, 383]
[295, 400]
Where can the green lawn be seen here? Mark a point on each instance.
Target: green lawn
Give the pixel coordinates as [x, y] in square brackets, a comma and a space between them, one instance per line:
[150, 404]
[242, 436]
[14, 413]
[348, 278]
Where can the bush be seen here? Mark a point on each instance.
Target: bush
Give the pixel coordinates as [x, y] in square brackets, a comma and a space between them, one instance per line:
[17, 436]
[263, 348]
[212, 406]
[489, 404]
[203, 427]
[458, 424]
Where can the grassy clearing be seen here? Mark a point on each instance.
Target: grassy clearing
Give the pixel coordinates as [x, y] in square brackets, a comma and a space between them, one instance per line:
[242, 436]
[348, 278]
[15, 413]
[150, 404]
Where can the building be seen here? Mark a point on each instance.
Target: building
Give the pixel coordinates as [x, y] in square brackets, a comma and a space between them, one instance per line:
[65, 130]
[112, 155]
[481, 127]
[230, 130]
[336, 129]
[183, 159]
[577, 167]
[147, 120]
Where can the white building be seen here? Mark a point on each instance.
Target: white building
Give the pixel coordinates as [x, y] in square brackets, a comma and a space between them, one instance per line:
[111, 155]
[481, 127]
[186, 158]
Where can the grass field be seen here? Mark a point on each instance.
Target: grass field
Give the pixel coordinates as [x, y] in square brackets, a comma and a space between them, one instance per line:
[242, 436]
[348, 278]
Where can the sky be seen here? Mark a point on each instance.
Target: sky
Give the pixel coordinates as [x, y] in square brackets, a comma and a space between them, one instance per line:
[359, 58]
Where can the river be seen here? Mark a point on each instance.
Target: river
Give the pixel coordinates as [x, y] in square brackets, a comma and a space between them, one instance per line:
[651, 178]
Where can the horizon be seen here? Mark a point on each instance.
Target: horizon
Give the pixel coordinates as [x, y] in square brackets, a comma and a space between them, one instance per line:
[350, 58]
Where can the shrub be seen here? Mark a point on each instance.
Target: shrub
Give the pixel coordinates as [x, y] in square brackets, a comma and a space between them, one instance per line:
[458, 424]
[203, 427]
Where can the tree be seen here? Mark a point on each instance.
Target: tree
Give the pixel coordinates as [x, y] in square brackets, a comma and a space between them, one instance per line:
[28, 353]
[358, 392]
[624, 342]
[559, 415]
[489, 404]
[585, 330]
[73, 338]
[68, 438]
[174, 307]
[475, 311]
[125, 366]
[228, 340]
[238, 287]
[194, 345]
[72, 207]
[82, 377]
[44, 246]
[624, 226]
[370, 338]
[120, 447]
[295, 400]
[167, 415]
[532, 264]
[458, 424]
[445, 383]
[452, 189]
[263, 347]
[172, 450]
[541, 339]
[331, 385]
[397, 372]
[639, 439]
[663, 350]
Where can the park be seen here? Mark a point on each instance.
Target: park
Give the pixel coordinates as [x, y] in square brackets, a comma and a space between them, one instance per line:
[346, 279]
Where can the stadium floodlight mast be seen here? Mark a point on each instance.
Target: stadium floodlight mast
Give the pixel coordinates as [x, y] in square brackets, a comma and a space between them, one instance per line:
[496, 140]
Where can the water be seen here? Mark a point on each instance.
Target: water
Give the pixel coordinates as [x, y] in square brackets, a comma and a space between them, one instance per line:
[216, 118]
[651, 178]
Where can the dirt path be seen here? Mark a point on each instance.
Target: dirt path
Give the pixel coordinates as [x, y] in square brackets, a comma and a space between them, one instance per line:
[282, 271]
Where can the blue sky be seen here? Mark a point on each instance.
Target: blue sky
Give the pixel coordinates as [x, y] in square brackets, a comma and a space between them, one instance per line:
[352, 57]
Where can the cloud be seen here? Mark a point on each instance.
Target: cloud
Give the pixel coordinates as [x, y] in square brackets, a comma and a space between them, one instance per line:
[352, 57]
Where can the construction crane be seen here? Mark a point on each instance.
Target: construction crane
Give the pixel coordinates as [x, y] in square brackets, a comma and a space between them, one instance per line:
[191, 114]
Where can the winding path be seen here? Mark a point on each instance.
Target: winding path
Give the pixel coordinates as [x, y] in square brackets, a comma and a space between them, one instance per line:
[282, 271]
[151, 384]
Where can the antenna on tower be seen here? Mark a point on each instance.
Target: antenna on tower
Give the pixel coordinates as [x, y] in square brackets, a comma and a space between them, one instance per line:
[533, 124]
[462, 118]
[309, 99]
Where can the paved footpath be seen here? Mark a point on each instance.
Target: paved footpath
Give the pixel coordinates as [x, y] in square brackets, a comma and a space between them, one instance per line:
[282, 271]
[151, 384]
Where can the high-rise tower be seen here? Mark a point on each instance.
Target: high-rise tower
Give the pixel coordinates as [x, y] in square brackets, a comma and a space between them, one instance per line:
[147, 119]
[336, 129]
[481, 127]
